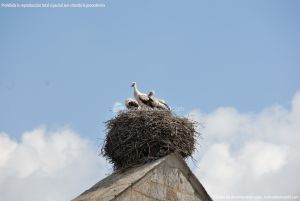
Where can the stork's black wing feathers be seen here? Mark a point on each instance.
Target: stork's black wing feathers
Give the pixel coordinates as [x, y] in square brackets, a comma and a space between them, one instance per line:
[133, 104]
[146, 100]
[166, 105]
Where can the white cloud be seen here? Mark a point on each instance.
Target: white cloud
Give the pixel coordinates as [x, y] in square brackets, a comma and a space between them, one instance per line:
[240, 154]
[47, 165]
[250, 153]
[117, 107]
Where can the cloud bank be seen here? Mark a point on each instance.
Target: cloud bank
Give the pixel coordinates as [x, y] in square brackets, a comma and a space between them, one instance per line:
[243, 154]
[250, 154]
[47, 165]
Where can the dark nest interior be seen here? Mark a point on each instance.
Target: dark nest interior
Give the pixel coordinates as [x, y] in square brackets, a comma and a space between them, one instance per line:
[137, 136]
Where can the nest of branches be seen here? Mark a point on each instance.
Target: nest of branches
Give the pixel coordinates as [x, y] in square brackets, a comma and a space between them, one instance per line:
[137, 136]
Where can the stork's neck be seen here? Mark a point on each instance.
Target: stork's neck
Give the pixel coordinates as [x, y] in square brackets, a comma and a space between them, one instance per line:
[136, 91]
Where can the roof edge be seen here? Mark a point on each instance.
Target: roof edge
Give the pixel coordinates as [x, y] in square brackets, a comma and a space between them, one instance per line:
[198, 187]
[169, 160]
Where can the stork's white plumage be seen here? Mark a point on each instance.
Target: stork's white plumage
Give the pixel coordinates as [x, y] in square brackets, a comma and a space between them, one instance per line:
[131, 104]
[142, 99]
[157, 103]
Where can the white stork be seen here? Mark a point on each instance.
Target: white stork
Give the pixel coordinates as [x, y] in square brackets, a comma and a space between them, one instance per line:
[142, 99]
[131, 104]
[157, 103]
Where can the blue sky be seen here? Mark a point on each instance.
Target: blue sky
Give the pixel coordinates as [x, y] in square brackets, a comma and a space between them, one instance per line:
[68, 67]
[227, 62]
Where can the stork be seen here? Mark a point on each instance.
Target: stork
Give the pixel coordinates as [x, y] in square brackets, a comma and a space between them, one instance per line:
[143, 99]
[157, 103]
[131, 104]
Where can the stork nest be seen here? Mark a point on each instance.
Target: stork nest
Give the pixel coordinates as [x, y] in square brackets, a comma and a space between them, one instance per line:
[135, 137]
